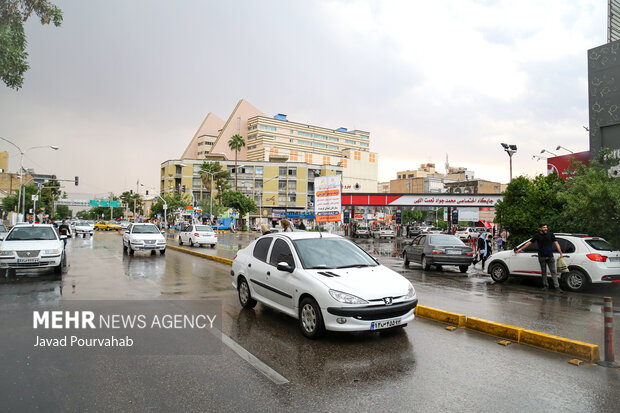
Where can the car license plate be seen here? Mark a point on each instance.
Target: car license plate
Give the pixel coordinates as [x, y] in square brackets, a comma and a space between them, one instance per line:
[27, 260]
[453, 252]
[378, 325]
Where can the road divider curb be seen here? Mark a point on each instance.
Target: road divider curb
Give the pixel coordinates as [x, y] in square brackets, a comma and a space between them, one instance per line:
[582, 350]
[440, 315]
[227, 261]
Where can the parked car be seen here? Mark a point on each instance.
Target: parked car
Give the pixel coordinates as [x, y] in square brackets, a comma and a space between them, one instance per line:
[144, 236]
[3, 231]
[467, 233]
[124, 225]
[343, 290]
[589, 260]
[199, 235]
[438, 250]
[434, 230]
[83, 228]
[30, 246]
[382, 232]
[414, 231]
[361, 230]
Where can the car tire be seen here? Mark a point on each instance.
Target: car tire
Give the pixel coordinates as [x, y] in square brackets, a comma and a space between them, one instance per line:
[192, 243]
[58, 268]
[245, 297]
[425, 265]
[439, 267]
[180, 240]
[406, 258]
[162, 252]
[124, 247]
[499, 272]
[576, 280]
[131, 251]
[463, 268]
[212, 245]
[153, 252]
[311, 319]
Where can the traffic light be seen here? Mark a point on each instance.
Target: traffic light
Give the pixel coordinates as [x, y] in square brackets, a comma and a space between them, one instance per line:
[131, 192]
[147, 191]
[183, 188]
[77, 180]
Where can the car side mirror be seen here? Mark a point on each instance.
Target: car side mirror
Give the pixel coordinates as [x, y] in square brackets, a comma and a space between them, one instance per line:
[284, 266]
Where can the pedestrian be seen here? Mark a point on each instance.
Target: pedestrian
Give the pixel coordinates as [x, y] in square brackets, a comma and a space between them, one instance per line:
[500, 242]
[64, 231]
[286, 225]
[483, 249]
[546, 242]
[264, 229]
[302, 227]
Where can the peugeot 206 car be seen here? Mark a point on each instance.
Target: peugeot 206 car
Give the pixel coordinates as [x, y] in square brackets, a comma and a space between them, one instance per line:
[589, 260]
[144, 236]
[198, 235]
[324, 281]
[29, 246]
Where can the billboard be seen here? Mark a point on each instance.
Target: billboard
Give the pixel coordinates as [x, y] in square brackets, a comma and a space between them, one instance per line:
[327, 198]
[560, 164]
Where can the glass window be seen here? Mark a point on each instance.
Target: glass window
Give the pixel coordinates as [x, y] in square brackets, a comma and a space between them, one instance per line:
[306, 134]
[282, 185]
[349, 141]
[281, 199]
[259, 170]
[292, 198]
[320, 136]
[333, 139]
[281, 252]
[31, 234]
[282, 171]
[304, 143]
[261, 248]
[258, 184]
[320, 145]
[342, 253]
[252, 136]
[271, 128]
[145, 229]
[200, 143]
[445, 240]
[566, 246]
[204, 228]
[363, 137]
[334, 147]
[597, 244]
[292, 185]
[363, 144]
[292, 171]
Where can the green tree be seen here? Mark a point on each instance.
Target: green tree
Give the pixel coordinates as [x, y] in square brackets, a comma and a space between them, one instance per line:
[218, 208]
[173, 201]
[238, 202]
[220, 177]
[413, 215]
[526, 203]
[13, 54]
[62, 212]
[236, 142]
[131, 199]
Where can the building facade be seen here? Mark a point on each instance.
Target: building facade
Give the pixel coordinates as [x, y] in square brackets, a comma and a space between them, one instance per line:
[478, 186]
[426, 179]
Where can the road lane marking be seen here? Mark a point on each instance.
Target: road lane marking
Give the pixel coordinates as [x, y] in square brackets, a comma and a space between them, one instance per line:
[270, 373]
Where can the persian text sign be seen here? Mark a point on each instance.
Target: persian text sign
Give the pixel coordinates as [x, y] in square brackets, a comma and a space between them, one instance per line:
[327, 198]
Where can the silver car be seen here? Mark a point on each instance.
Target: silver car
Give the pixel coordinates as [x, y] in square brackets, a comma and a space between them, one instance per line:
[438, 250]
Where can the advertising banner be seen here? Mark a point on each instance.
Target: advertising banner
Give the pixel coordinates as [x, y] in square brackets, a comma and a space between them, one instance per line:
[560, 164]
[469, 214]
[327, 198]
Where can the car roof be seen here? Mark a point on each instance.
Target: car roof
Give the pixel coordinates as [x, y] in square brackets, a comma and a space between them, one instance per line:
[25, 224]
[296, 235]
[142, 223]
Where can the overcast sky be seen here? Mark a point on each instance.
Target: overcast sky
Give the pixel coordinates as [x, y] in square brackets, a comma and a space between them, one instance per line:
[123, 85]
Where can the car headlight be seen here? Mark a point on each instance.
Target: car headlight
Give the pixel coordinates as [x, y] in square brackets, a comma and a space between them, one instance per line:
[346, 298]
[410, 291]
[6, 253]
[51, 251]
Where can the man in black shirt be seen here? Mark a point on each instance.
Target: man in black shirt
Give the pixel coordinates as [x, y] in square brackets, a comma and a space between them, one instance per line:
[63, 229]
[546, 241]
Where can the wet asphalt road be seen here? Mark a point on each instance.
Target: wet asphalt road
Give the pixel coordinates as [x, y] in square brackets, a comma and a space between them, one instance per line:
[422, 367]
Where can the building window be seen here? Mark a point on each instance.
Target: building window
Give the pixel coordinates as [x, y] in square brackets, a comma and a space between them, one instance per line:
[308, 158]
[282, 171]
[334, 147]
[333, 139]
[209, 143]
[363, 137]
[258, 184]
[251, 147]
[343, 162]
[292, 198]
[320, 145]
[292, 171]
[306, 134]
[371, 157]
[349, 142]
[304, 142]
[320, 136]
[364, 144]
[356, 155]
[291, 141]
[292, 186]
[273, 151]
[259, 170]
[294, 156]
[253, 127]
[200, 153]
[271, 128]
[326, 160]
[281, 199]
[410, 176]
[200, 143]
[282, 186]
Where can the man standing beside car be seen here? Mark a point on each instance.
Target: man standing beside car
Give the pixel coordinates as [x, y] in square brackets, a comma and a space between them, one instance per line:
[546, 241]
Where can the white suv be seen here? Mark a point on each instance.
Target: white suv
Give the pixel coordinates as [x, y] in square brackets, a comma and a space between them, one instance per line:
[589, 260]
[145, 237]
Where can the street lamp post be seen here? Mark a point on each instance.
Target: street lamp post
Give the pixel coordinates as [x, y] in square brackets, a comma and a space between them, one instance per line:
[550, 153]
[510, 150]
[561, 147]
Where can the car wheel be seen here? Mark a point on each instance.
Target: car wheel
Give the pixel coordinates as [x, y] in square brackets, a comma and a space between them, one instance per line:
[576, 280]
[463, 268]
[212, 245]
[245, 297]
[131, 251]
[192, 243]
[439, 267]
[162, 252]
[406, 258]
[499, 272]
[58, 268]
[153, 252]
[311, 319]
[425, 265]
[180, 240]
[124, 247]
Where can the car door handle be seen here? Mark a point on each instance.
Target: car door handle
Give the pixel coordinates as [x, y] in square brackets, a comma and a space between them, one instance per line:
[268, 272]
[535, 255]
[567, 256]
[249, 265]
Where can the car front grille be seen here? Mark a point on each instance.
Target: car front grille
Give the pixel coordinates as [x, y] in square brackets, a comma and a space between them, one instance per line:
[31, 264]
[28, 253]
[149, 241]
[392, 314]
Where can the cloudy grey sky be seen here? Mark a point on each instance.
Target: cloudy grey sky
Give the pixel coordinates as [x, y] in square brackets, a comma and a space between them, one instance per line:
[123, 85]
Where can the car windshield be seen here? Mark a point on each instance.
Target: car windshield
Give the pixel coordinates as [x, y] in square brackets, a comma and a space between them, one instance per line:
[599, 244]
[204, 228]
[81, 224]
[31, 234]
[145, 229]
[445, 240]
[342, 254]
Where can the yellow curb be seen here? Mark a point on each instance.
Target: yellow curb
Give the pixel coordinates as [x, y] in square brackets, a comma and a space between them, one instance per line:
[579, 349]
[440, 315]
[201, 255]
[493, 328]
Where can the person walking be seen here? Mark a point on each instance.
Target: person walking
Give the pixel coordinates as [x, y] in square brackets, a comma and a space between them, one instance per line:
[500, 242]
[484, 249]
[286, 225]
[64, 230]
[546, 242]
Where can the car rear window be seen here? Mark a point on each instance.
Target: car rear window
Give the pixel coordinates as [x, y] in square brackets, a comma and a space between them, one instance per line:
[599, 244]
[205, 228]
[261, 248]
[445, 240]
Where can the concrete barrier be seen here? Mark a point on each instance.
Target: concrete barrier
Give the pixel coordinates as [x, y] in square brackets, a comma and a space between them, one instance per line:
[440, 315]
[495, 329]
[227, 261]
[584, 351]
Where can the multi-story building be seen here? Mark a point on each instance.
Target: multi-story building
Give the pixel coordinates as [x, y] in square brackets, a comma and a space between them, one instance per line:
[273, 185]
[9, 182]
[426, 179]
[478, 186]
[276, 138]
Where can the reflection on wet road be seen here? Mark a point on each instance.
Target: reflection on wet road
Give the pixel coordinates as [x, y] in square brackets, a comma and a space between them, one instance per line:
[421, 367]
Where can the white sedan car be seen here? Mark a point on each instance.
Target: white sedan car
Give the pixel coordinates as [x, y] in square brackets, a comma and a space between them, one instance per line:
[83, 228]
[29, 246]
[323, 280]
[589, 260]
[198, 234]
[143, 236]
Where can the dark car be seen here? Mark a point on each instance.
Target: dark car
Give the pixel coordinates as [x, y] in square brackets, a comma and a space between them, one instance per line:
[438, 250]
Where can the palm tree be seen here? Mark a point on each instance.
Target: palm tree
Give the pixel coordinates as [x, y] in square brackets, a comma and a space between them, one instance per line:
[236, 142]
[220, 177]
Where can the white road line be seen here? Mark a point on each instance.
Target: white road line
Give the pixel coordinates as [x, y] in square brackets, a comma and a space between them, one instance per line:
[271, 374]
